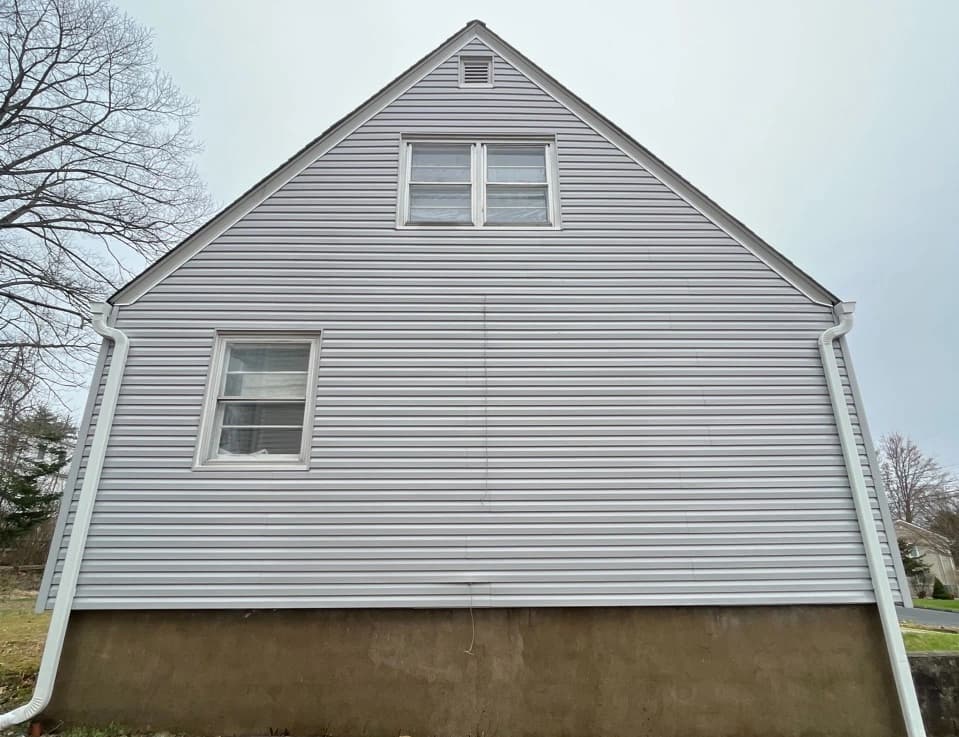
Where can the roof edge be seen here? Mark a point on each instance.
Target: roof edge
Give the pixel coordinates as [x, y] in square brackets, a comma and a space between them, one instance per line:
[669, 176]
[212, 228]
[170, 261]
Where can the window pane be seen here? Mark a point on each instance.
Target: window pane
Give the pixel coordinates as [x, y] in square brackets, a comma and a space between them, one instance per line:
[263, 413]
[266, 385]
[440, 163]
[440, 204]
[520, 205]
[268, 441]
[269, 357]
[516, 164]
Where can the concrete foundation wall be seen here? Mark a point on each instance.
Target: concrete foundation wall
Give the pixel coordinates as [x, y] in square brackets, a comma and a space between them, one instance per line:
[936, 676]
[670, 672]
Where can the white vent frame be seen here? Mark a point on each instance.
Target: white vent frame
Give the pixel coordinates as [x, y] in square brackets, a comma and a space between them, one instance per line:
[466, 59]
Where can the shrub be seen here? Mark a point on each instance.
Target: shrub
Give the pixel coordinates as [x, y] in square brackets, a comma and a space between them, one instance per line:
[939, 591]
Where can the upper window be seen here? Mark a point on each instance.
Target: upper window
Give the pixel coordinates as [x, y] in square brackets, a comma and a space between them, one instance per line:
[260, 402]
[473, 184]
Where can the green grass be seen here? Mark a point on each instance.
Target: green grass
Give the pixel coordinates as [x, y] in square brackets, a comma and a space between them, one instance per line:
[21, 637]
[920, 641]
[950, 605]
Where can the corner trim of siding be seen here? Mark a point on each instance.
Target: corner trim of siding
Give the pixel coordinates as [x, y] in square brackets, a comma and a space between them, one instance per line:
[887, 523]
[173, 259]
[70, 484]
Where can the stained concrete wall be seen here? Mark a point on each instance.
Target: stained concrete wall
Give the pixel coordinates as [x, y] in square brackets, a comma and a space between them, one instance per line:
[936, 676]
[671, 672]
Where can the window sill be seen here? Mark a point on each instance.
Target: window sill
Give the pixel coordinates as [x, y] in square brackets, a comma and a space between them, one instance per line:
[297, 465]
[494, 228]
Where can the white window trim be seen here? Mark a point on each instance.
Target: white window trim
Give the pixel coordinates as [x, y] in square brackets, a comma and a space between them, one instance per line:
[204, 458]
[487, 58]
[478, 182]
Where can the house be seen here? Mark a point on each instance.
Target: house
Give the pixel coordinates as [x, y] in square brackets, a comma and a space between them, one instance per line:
[474, 417]
[934, 551]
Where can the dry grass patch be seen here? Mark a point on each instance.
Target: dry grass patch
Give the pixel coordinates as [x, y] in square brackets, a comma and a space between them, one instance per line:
[22, 634]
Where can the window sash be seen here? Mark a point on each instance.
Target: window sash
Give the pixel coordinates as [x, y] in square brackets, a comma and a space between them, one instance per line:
[542, 179]
[258, 401]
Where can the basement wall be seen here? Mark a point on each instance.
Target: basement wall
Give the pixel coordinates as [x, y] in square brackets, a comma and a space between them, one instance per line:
[557, 672]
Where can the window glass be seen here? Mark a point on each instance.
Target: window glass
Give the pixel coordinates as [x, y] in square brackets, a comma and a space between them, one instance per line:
[433, 163]
[268, 357]
[507, 164]
[434, 204]
[261, 406]
[520, 205]
[260, 441]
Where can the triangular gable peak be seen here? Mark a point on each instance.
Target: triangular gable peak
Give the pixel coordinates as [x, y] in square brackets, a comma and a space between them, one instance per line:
[474, 38]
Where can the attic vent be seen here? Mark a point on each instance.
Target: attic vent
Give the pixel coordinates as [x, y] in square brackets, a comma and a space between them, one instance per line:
[476, 71]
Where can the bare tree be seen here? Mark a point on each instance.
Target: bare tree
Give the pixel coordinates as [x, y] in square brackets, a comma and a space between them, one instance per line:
[917, 486]
[96, 172]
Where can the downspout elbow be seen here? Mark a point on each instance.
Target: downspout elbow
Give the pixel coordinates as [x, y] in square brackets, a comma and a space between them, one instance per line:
[63, 604]
[844, 311]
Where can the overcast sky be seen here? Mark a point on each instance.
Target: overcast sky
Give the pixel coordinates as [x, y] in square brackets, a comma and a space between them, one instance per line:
[830, 128]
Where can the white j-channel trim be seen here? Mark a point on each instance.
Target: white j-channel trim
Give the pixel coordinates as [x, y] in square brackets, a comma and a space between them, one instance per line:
[204, 458]
[867, 525]
[67, 587]
[158, 271]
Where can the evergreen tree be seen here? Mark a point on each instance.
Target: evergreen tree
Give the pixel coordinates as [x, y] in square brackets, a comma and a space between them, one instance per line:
[939, 591]
[34, 455]
[911, 562]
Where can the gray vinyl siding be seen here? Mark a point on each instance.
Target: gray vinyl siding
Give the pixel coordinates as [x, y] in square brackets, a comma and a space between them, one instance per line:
[628, 411]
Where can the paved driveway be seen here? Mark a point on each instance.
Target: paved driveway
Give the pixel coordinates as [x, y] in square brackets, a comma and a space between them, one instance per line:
[928, 617]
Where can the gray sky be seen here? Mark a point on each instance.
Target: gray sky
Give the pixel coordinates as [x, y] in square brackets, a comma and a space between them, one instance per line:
[830, 128]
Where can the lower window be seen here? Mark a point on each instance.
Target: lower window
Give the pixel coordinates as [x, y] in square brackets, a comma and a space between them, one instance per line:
[260, 403]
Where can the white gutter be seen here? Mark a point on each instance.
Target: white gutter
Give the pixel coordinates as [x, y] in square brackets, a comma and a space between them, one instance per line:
[81, 525]
[877, 568]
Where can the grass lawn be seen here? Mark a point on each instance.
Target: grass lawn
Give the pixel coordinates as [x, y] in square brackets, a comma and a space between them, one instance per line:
[919, 641]
[21, 636]
[951, 605]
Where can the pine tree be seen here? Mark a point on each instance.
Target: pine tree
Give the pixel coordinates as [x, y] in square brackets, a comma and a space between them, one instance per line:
[912, 563]
[34, 458]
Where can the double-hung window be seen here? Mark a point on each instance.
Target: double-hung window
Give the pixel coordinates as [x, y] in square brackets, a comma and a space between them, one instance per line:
[461, 183]
[259, 408]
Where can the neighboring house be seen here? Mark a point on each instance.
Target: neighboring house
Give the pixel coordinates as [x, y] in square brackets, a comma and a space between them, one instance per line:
[934, 551]
[474, 417]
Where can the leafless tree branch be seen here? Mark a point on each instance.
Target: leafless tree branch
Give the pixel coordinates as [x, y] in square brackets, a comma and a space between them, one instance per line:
[96, 173]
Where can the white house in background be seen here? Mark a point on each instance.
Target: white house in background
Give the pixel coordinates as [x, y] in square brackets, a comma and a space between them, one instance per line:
[935, 553]
[476, 417]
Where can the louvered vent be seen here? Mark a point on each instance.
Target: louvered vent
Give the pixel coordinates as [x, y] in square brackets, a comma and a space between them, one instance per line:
[476, 71]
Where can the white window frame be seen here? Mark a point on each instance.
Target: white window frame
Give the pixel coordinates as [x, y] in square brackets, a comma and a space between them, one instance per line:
[478, 181]
[206, 456]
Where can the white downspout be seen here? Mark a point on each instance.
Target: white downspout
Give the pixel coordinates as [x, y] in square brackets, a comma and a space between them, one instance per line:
[867, 525]
[81, 525]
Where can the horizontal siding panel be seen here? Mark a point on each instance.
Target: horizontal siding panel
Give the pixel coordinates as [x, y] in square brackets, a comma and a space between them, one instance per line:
[629, 410]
